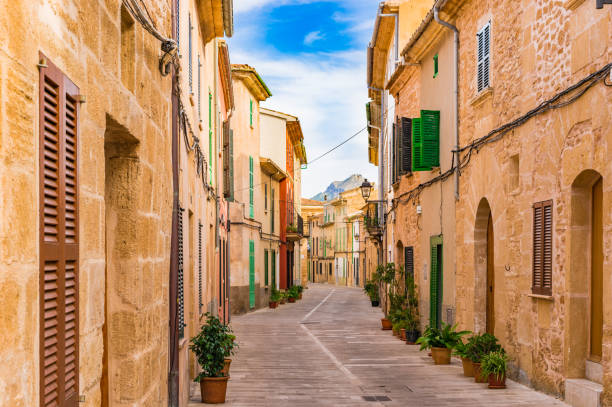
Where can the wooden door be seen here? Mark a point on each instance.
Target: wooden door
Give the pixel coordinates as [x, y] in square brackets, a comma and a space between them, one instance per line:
[490, 278]
[596, 273]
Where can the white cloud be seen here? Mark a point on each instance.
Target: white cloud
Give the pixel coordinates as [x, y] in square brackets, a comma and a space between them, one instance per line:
[312, 37]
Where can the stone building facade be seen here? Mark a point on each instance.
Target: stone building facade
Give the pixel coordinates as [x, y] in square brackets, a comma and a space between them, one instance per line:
[87, 117]
[529, 228]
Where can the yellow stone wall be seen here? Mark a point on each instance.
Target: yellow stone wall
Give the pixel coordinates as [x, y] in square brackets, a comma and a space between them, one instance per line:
[130, 105]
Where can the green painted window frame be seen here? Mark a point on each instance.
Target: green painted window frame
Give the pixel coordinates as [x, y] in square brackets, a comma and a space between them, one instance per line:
[251, 113]
[435, 61]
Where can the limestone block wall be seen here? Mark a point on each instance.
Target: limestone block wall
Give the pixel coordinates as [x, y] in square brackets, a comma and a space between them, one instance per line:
[123, 143]
[538, 49]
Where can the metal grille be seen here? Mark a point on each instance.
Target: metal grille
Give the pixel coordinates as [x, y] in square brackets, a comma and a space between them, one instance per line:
[200, 304]
[181, 299]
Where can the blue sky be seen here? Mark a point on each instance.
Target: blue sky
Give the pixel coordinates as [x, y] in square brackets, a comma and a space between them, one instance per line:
[312, 56]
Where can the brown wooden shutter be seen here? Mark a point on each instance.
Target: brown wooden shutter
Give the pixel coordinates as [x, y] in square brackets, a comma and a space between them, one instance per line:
[542, 248]
[59, 241]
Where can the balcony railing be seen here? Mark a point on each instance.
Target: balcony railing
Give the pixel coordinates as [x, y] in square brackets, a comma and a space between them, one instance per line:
[295, 228]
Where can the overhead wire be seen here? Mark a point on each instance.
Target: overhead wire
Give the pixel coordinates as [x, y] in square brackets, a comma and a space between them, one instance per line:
[337, 146]
[499, 132]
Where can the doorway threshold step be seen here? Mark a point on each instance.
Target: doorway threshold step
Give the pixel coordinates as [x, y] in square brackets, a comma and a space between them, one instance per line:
[583, 393]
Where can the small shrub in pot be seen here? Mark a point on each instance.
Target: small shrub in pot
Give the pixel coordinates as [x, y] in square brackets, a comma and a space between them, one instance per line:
[493, 367]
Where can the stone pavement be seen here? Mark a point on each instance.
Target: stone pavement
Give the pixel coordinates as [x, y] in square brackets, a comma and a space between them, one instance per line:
[328, 350]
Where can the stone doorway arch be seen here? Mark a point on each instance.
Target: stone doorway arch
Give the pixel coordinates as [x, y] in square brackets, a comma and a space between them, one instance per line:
[484, 269]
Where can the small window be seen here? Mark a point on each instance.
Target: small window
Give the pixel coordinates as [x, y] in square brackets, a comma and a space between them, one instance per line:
[483, 57]
[542, 248]
[266, 196]
[435, 65]
[251, 113]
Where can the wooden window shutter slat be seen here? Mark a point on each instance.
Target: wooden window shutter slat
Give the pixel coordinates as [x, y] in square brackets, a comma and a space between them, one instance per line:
[430, 128]
[251, 191]
[433, 288]
[59, 240]
[417, 146]
[406, 147]
[542, 248]
[180, 285]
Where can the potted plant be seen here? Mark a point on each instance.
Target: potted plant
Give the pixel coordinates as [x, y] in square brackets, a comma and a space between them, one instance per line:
[229, 345]
[283, 297]
[412, 311]
[371, 289]
[292, 294]
[210, 347]
[274, 298]
[442, 342]
[480, 346]
[300, 289]
[493, 367]
[462, 350]
[385, 275]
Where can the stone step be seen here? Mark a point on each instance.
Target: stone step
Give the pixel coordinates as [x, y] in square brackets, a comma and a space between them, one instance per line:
[583, 393]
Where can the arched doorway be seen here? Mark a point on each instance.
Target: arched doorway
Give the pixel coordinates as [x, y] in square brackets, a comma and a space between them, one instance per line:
[585, 311]
[484, 269]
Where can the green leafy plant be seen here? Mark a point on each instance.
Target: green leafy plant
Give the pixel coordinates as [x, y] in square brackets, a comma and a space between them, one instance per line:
[211, 345]
[300, 288]
[293, 292]
[462, 349]
[446, 337]
[481, 345]
[371, 289]
[275, 295]
[494, 363]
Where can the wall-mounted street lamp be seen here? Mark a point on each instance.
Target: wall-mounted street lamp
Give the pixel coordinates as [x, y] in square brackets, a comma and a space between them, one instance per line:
[366, 190]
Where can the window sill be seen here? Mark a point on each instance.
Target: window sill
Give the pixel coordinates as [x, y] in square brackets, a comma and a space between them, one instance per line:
[481, 97]
[541, 297]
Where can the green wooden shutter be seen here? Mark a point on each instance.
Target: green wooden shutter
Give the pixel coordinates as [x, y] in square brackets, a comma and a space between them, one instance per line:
[417, 146]
[251, 112]
[274, 268]
[251, 209]
[272, 211]
[251, 274]
[435, 283]
[266, 266]
[430, 132]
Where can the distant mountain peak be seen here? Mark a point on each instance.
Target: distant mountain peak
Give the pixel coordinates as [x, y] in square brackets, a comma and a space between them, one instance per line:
[334, 189]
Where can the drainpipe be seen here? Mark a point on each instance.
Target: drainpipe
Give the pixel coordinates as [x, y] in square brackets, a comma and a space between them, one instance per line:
[456, 51]
[173, 374]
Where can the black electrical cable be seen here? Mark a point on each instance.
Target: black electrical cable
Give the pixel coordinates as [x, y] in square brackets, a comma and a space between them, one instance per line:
[339, 145]
[496, 134]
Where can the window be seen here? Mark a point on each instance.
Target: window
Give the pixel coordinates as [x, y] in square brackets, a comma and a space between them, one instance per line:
[272, 210]
[59, 238]
[210, 152]
[266, 196]
[273, 268]
[435, 61]
[542, 248]
[426, 141]
[251, 113]
[484, 57]
[251, 189]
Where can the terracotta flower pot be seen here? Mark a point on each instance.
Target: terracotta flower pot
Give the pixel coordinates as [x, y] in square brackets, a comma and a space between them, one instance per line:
[477, 373]
[386, 324]
[299, 296]
[226, 366]
[283, 301]
[412, 336]
[291, 299]
[496, 382]
[273, 304]
[213, 389]
[468, 368]
[402, 334]
[441, 356]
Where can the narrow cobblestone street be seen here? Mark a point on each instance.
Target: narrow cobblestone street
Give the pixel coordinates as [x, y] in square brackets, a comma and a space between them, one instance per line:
[328, 350]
